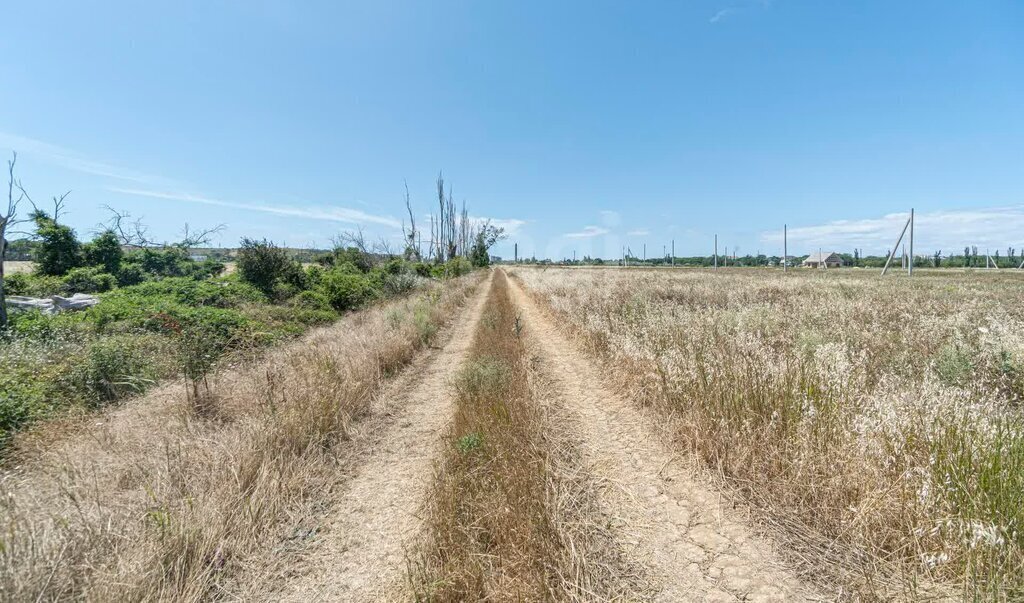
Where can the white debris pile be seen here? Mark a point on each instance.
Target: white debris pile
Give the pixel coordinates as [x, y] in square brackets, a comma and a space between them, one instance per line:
[53, 304]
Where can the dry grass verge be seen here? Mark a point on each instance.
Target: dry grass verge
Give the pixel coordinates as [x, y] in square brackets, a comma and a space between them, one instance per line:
[876, 421]
[512, 517]
[159, 502]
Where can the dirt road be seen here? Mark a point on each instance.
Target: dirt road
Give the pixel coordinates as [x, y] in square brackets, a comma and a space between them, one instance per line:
[693, 547]
[361, 554]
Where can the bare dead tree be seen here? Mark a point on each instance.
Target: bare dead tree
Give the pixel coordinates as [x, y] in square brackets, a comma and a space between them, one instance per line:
[439, 237]
[464, 228]
[8, 219]
[412, 249]
[133, 233]
[352, 238]
[195, 238]
[130, 233]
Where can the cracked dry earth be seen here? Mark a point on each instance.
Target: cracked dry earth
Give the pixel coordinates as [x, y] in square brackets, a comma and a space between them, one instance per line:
[693, 548]
[361, 556]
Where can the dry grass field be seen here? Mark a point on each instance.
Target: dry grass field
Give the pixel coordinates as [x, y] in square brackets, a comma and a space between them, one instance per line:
[876, 423]
[561, 434]
[16, 267]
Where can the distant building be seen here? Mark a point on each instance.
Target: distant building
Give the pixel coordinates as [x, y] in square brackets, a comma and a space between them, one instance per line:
[828, 259]
[198, 258]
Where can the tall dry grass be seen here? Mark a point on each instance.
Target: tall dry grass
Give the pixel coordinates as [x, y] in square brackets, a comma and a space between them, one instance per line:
[877, 420]
[512, 517]
[155, 501]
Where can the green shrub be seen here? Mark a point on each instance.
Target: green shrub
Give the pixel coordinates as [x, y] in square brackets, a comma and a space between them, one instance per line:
[17, 284]
[314, 274]
[398, 284]
[130, 274]
[346, 291]
[59, 250]
[264, 265]
[422, 269]
[115, 367]
[311, 300]
[88, 280]
[104, 252]
[452, 268]
[351, 255]
[33, 285]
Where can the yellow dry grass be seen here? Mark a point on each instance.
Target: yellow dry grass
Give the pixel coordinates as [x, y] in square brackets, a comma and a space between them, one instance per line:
[877, 422]
[17, 267]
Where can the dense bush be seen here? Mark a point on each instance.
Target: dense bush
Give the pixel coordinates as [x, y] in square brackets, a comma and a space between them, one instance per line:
[87, 280]
[266, 266]
[105, 252]
[311, 300]
[59, 250]
[345, 290]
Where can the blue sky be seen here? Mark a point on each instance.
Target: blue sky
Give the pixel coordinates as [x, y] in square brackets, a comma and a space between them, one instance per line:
[576, 125]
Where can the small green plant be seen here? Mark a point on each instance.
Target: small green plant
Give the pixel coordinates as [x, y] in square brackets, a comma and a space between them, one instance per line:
[470, 442]
[954, 365]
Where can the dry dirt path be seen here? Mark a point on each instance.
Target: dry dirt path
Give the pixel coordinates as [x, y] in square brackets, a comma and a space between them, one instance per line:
[693, 548]
[361, 553]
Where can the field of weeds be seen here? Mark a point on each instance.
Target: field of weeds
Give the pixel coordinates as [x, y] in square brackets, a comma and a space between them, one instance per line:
[166, 499]
[876, 423]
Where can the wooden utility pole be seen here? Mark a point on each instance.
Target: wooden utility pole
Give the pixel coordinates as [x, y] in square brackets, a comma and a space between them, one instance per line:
[716, 252]
[673, 252]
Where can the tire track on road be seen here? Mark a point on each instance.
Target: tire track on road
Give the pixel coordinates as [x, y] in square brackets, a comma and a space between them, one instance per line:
[361, 556]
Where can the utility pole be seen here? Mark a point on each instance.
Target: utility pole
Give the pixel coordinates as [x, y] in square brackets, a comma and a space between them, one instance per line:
[673, 252]
[716, 252]
[645, 252]
[785, 250]
[892, 253]
[573, 256]
[516, 261]
[910, 260]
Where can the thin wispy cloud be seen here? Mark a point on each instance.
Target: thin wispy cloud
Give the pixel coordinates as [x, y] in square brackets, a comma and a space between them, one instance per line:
[320, 212]
[722, 14]
[732, 11]
[587, 232]
[72, 160]
[639, 232]
[945, 230]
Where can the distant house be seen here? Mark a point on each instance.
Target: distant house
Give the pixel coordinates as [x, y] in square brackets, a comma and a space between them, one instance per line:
[828, 259]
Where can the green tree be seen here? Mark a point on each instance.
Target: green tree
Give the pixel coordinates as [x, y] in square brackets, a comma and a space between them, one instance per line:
[105, 251]
[59, 250]
[485, 238]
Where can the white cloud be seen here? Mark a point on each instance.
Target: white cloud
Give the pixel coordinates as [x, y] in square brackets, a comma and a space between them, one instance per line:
[71, 160]
[722, 14]
[946, 230]
[587, 232]
[511, 225]
[639, 232]
[321, 212]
